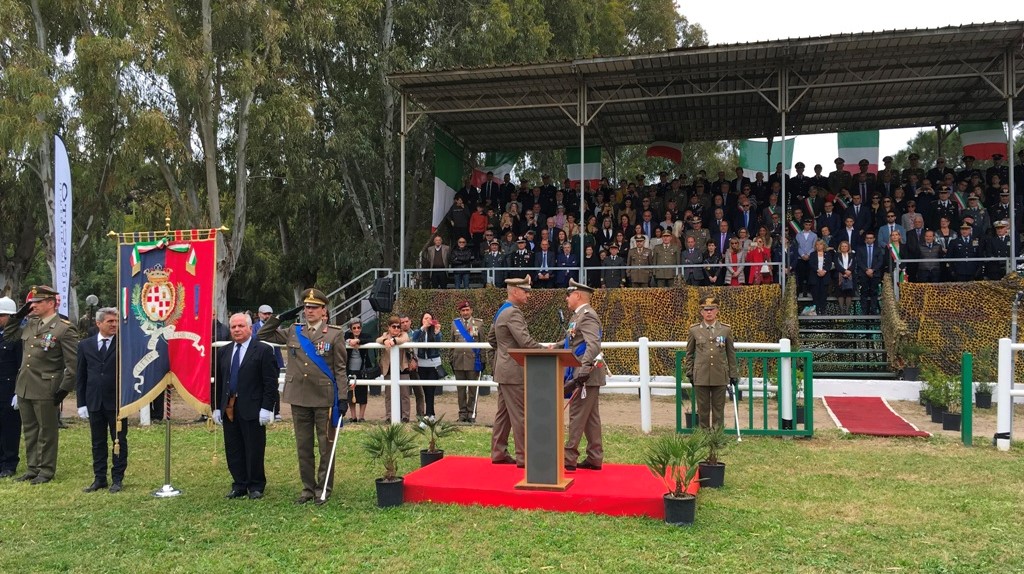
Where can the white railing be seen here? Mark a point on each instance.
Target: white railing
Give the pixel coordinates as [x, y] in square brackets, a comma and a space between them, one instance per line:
[1006, 393]
[643, 382]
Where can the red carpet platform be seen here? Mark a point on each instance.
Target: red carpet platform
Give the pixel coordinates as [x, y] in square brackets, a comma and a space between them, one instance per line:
[869, 416]
[616, 489]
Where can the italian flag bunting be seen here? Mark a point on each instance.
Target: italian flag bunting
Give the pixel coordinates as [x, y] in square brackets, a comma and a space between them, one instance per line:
[898, 262]
[855, 146]
[448, 156]
[590, 169]
[754, 156]
[982, 139]
[668, 150]
[500, 163]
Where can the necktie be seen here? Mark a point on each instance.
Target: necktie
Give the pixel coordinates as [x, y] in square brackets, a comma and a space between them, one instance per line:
[863, 189]
[233, 374]
[856, 210]
[869, 255]
[103, 346]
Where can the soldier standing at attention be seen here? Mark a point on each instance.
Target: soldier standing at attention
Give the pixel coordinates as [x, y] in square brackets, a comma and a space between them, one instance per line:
[584, 338]
[10, 420]
[509, 331]
[47, 375]
[467, 363]
[317, 360]
[711, 364]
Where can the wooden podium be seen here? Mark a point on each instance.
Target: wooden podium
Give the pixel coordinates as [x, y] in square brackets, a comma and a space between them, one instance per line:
[543, 373]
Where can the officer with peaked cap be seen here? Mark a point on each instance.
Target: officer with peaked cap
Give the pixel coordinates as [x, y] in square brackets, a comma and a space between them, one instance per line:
[710, 364]
[47, 375]
[10, 418]
[583, 337]
[316, 354]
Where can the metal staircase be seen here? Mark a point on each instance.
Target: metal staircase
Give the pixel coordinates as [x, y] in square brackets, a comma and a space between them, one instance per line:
[844, 346]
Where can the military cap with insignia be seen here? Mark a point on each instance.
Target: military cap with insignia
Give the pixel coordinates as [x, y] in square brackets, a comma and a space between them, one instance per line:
[839, 160]
[709, 303]
[41, 293]
[965, 225]
[997, 156]
[1001, 223]
[575, 286]
[314, 296]
[887, 159]
[523, 284]
[463, 305]
[863, 162]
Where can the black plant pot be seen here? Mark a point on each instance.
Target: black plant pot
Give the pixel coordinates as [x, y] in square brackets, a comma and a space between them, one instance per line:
[951, 421]
[390, 493]
[911, 373]
[484, 391]
[937, 411]
[680, 511]
[691, 420]
[712, 475]
[375, 390]
[427, 457]
[920, 398]
[927, 407]
[799, 414]
[983, 400]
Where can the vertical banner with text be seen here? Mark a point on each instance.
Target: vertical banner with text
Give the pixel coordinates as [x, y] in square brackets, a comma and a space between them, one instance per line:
[61, 224]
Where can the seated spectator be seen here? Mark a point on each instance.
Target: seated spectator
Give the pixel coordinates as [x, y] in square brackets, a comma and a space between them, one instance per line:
[568, 266]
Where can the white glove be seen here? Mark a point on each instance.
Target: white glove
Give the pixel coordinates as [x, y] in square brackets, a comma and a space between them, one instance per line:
[216, 417]
[265, 417]
[83, 413]
[14, 402]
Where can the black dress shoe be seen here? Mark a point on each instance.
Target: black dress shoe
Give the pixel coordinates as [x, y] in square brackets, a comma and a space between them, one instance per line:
[24, 477]
[320, 501]
[570, 467]
[116, 487]
[588, 465]
[256, 494]
[96, 485]
[40, 480]
[503, 461]
[304, 498]
[6, 473]
[520, 465]
[236, 493]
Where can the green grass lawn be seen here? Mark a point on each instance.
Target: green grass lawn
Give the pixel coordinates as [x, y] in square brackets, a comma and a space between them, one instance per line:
[831, 504]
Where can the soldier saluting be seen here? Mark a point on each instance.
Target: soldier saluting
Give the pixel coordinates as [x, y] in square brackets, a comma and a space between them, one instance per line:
[317, 360]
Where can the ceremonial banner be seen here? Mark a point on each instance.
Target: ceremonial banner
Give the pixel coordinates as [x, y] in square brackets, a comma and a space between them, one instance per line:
[982, 139]
[165, 283]
[448, 155]
[855, 146]
[754, 156]
[590, 167]
[61, 223]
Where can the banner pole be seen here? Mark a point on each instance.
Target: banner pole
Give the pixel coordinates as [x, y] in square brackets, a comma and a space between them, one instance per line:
[167, 491]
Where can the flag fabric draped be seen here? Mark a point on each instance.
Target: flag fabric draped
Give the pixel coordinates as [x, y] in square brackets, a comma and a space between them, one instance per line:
[500, 163]
[589, 169]
[668, 150]
[754, 156]
[982, 139]
[62, 223]
[166, 283]
[448, 156]
[855, 146]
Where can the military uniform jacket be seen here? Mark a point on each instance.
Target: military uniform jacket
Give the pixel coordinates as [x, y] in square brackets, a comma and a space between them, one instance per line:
[710, 355]
[637, 257]
[585, 327]
[10, 362]
[666, 254]
[613, 277]
[49, 357]
[305, 385]
[465, 359]
[509, 331]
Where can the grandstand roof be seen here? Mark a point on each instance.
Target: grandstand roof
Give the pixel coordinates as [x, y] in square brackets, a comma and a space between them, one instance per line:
[872, 80]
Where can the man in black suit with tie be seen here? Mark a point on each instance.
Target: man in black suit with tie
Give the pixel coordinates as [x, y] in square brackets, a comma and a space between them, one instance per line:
[247, 388]
[870, 260]
[96, 390]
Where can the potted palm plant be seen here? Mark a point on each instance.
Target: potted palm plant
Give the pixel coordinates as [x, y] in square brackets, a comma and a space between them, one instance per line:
[433, 429]
[712, 470]
[387, 445]
[675, 459]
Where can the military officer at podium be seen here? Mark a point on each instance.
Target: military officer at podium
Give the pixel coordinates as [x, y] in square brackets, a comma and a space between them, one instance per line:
[317, 363]
[583, 336]
[711, 364]
[509, 331]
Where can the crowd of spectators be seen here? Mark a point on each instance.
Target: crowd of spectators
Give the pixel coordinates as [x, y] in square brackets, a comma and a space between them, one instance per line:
[842, 232]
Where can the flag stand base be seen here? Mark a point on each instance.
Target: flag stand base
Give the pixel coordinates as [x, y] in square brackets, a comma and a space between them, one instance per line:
[166, 491]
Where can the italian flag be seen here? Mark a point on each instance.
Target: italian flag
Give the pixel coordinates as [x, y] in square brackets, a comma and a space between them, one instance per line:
[448, 156]
[754, 156]
[668, 150]
[590, 168]
[855, 146]
[500, 163]
[982, 139]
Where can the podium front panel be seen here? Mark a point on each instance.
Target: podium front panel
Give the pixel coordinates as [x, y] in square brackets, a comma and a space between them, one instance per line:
[544, 450]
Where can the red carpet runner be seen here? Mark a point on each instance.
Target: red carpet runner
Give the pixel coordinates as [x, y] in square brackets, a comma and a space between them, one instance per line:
[869, 416]
[617, 489]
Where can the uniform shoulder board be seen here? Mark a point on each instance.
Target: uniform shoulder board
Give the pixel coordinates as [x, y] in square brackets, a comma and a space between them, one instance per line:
[65, 321]
[725, 324]
[694, 325]
[335, 327]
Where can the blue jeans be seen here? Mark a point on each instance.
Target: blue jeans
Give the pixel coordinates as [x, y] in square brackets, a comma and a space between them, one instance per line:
[462, 280]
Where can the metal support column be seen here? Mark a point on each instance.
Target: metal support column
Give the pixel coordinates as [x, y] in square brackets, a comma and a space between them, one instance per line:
[402, 281]
[581, 118]
[783, 108]
[1010, 88]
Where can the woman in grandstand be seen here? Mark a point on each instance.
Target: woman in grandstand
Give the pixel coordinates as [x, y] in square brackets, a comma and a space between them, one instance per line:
[517, 219]
[825, 234]
[714, 271]
[508, 242]
[846, 277]
[819, 274]
[764, 236]
[668, 222]
[759, 253]
[571, 227]
[735, 257]
[943, 236]
[428, 361]
[620, 240]
[638, 231]
[628, 211]
[899, 202]
[625, 227]
[744, 237]
[560, 217]
[506, 223]
[592, 264]
[878, 215]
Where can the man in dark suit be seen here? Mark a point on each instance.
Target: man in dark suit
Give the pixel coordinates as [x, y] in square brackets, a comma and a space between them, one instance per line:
[247, 389]
[860, 213]
[10, 418]
[96, 391]
[870, 260]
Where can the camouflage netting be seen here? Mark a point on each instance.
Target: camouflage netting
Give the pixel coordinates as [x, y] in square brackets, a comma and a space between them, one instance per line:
[754, 312]
[949, 319]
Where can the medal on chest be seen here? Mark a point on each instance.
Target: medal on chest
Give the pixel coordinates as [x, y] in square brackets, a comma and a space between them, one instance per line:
[719, 341]
[48, 341]
[322, 348]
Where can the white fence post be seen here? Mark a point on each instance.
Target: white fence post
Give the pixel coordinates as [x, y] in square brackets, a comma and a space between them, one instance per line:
[786, 386]
[645, 384]
[1004, 406]
[396, 389]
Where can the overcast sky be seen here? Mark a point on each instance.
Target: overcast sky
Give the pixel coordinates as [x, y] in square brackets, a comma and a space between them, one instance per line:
[749, 21]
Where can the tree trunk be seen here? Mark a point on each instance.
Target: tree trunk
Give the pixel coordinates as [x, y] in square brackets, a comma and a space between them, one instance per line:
[45, 163]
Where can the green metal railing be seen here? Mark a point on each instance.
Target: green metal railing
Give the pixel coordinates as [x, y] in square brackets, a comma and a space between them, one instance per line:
[967, 399]
[769, 366]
